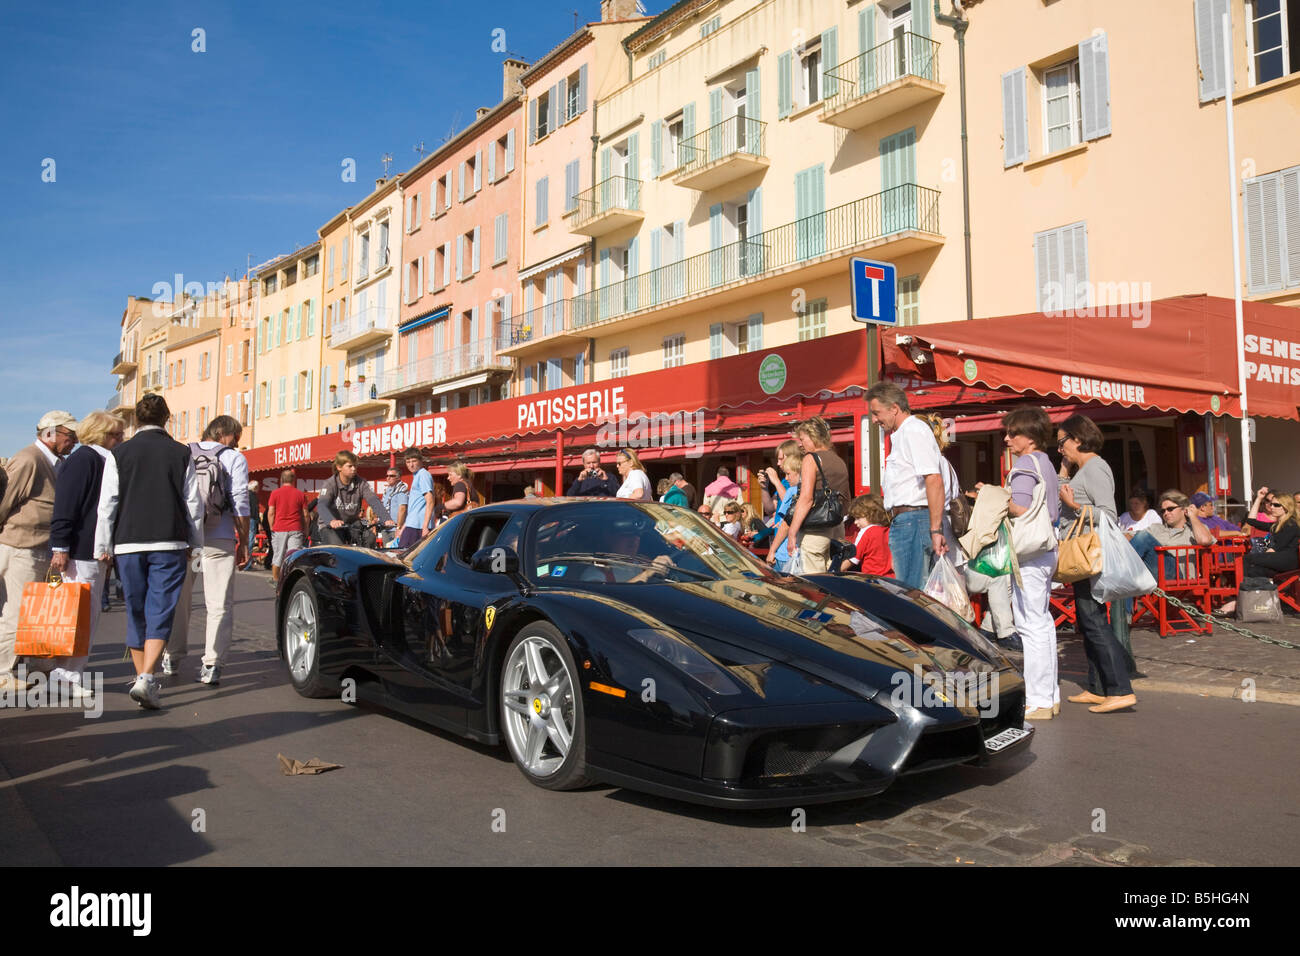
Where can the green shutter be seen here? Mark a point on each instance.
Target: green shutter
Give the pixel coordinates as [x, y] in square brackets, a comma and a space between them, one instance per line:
[830, 59]
[783, 77]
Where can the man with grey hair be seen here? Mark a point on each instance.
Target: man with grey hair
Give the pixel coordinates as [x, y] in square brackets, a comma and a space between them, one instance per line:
[676, 496]
[593, 481]
[26, 509]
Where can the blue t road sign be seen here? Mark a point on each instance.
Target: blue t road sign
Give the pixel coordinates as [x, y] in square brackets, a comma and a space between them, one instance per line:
[873, 292]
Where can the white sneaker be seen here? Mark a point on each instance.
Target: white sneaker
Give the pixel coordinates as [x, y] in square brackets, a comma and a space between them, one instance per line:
[170, 665]
[145, 692]
[76, 689]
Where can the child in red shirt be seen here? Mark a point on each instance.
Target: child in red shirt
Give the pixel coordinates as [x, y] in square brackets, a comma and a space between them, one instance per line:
[872, 543]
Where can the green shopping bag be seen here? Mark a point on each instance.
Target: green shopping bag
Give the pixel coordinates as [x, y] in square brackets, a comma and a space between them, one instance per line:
[995, 559]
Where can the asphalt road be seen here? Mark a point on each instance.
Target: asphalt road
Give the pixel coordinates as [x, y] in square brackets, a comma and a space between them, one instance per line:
[1184, 779]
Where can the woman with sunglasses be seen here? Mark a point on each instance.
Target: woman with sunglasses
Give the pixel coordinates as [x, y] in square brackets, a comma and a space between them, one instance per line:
[1282, 551]
[1092, 485]
[636, 484]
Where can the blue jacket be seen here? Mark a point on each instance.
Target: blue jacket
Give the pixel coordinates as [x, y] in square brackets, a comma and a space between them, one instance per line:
[76, 503]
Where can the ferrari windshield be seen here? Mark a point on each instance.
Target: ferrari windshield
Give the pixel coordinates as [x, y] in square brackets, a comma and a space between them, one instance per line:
[627, 542]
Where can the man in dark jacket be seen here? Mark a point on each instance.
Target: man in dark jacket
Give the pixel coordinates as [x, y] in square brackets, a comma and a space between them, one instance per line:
[150, 518]
[593, 481]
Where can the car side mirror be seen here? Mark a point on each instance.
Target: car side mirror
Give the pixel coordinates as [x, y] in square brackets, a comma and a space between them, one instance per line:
[495, 559]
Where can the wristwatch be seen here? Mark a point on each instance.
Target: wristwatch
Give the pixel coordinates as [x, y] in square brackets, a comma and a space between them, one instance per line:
[936, 531]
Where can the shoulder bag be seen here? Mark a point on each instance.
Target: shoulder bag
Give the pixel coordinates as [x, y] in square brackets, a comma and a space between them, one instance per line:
[1032, 533]
[1079, 554]
[828, 505]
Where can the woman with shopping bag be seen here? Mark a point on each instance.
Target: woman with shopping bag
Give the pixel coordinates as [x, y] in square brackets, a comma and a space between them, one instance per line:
[1091, 489]
[72, 529]
[1033, 510]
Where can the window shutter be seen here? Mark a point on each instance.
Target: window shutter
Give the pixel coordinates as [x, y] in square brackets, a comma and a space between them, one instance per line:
[582, 88]
[1015, 119]
[446, 265]
[1211, 81]
[656, 148]
[510, 150]
[715, 241]
[308, 391]
[311, 317]
[571, 186]
[755, 202]
[688, 124]
[492, 164]
[715, 119]
[331, 268]
[1289, 217]
[866, 43]
[460, 257]
[343, 260]
[633, 270]
[753, 108]
[295, 392]
[715, 341]
[532, 122]
[783, 75]
[1094, 83]
[921, 19]
[498, 239]
[257, 402]
[261, 341]
[830, 52]
[1047, 270]
[460, 179]
[755, 331]
[1074, 265]
[446, 192]
[475, 252]
[540, 202]
[564, 99]
[406, 283]
[429, 271]
[553, 109]
[473, 325]
[679, 242]
[478, 170]
[409, 224]
[1263, 234]
[633, 163]
[580, 277]
[433, 199]
[324, 386]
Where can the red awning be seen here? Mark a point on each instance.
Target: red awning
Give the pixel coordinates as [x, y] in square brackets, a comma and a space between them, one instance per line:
[1179, 355]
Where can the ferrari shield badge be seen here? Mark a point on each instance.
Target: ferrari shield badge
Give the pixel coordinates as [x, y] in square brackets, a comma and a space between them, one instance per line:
[489, 616]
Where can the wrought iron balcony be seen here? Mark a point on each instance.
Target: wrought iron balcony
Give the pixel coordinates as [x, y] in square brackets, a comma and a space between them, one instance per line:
[722, 153]
[887, 79]
[123, 363]
[354, 399]
[892, 223]
[423, 374]
[607, 206]
[369, 325]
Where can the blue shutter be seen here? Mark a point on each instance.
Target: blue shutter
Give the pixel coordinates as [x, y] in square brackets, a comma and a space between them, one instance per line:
[572, 176]
[510, 150]
[830, 57]
[633, 271]
[656, 148]
[755, 332]
[564, 99]
[755, 256]
[715, 125]
[921, 19]
[633, 168]
[898, 178]
[311, 317]
[715, 241]
[715, 341]
[656, 240]
[686, 156]
[867, 71]
[324, 387]
[580, 368]
[582, 88]
[784, 70]
[553, 110]
[753, 112]
[1094, 86]
[602, 296]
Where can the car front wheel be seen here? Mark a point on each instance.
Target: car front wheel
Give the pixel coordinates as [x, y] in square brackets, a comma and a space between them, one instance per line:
[300, 634]
[541, 709]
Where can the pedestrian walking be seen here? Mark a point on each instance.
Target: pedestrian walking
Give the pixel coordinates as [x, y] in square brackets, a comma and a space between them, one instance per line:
[287, 513]
[221, 473]
[824, 476]
[913, 485]
[72, 530]
[1105, 641]
[254, 523]
[593, 481]
[26, 510]
[463, 496]
[675, 495]
[150, 518]
[1027, 431]
[417, 517]
[636, 483]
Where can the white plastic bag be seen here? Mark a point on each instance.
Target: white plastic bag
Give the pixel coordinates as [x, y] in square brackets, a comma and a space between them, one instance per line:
[945, 586]
[1123, 575]
[796, 562]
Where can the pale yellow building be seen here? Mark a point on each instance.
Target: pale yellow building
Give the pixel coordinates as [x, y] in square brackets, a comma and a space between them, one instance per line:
[289, 347]
[140, 318]
[336, 299]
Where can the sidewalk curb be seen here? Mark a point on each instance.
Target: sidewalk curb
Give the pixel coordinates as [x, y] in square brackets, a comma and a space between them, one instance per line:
[1262, 695]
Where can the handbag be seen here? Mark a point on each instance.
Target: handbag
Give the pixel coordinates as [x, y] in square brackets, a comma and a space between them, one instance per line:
[1079, 554]
[1032, 533]
[827, 509]
[54, 619]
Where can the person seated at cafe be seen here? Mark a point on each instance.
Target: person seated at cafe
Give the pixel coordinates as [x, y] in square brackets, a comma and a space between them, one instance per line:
[1180, 526]
[1140, 515]
[1219, 527]
[752, 526]
[731, 524]
[1281, 551]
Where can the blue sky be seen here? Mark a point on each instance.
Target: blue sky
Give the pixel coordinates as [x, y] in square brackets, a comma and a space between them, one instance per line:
[168, 160]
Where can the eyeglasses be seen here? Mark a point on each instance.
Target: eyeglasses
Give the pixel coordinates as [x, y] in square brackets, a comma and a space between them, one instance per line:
[1275, 504]
[1061, 442]
[1167, 510]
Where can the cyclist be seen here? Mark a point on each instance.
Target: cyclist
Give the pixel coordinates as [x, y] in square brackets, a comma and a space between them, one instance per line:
[341, 501]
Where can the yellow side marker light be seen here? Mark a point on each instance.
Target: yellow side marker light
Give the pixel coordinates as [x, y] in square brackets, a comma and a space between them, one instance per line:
[606, 689]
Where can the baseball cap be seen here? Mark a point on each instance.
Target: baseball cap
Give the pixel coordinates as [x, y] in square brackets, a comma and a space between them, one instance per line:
[1201, 498]
[55, 419]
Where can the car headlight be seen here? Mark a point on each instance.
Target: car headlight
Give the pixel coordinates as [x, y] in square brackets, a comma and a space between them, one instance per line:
[673, 648]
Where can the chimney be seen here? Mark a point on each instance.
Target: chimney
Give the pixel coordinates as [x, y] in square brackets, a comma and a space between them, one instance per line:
[481, 112]
[617, 10]
[511, 70]
[380, 182]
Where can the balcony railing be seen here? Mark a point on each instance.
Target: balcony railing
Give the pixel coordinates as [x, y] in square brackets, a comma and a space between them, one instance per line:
[738, 137]
[902, 209]
[123, 362]
[114, 402]
[908, 54]
[369, 323]
[461, 360]
[358, 393]
[608, 205]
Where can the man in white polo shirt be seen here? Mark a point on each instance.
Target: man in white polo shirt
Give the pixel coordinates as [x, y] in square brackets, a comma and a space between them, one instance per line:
[913, 485]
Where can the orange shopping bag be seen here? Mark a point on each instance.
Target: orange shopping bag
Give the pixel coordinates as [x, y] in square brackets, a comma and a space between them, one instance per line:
[54, 620]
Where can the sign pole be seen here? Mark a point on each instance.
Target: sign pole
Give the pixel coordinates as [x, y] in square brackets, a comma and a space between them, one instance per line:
[873, 430]
[1246, 477]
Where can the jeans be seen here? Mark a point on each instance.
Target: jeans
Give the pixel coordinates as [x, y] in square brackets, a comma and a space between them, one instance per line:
[1107, 667]
[909, 544]
[1145, 546]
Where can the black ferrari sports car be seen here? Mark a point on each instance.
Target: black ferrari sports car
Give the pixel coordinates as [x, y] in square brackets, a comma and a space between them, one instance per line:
[634, 644]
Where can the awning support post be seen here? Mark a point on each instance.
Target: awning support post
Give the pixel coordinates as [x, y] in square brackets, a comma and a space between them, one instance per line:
[559, 461]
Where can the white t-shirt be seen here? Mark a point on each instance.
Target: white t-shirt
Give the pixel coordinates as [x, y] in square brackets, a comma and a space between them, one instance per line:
[636, 479]
[1149, 517]
[913, 454]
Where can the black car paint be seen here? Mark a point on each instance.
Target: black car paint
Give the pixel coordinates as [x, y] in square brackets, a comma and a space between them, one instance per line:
[436, 661]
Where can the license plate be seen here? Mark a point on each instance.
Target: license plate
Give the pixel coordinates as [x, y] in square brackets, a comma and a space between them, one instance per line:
[1005, 739]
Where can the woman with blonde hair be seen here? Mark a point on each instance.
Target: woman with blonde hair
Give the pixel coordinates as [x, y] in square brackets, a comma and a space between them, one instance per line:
[636, 483]
[823, 474]
[462, 496]
[72, 529]
[1282, 546]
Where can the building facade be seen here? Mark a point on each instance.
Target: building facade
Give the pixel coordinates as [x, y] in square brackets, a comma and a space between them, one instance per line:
[236, 305]
[140, 319]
